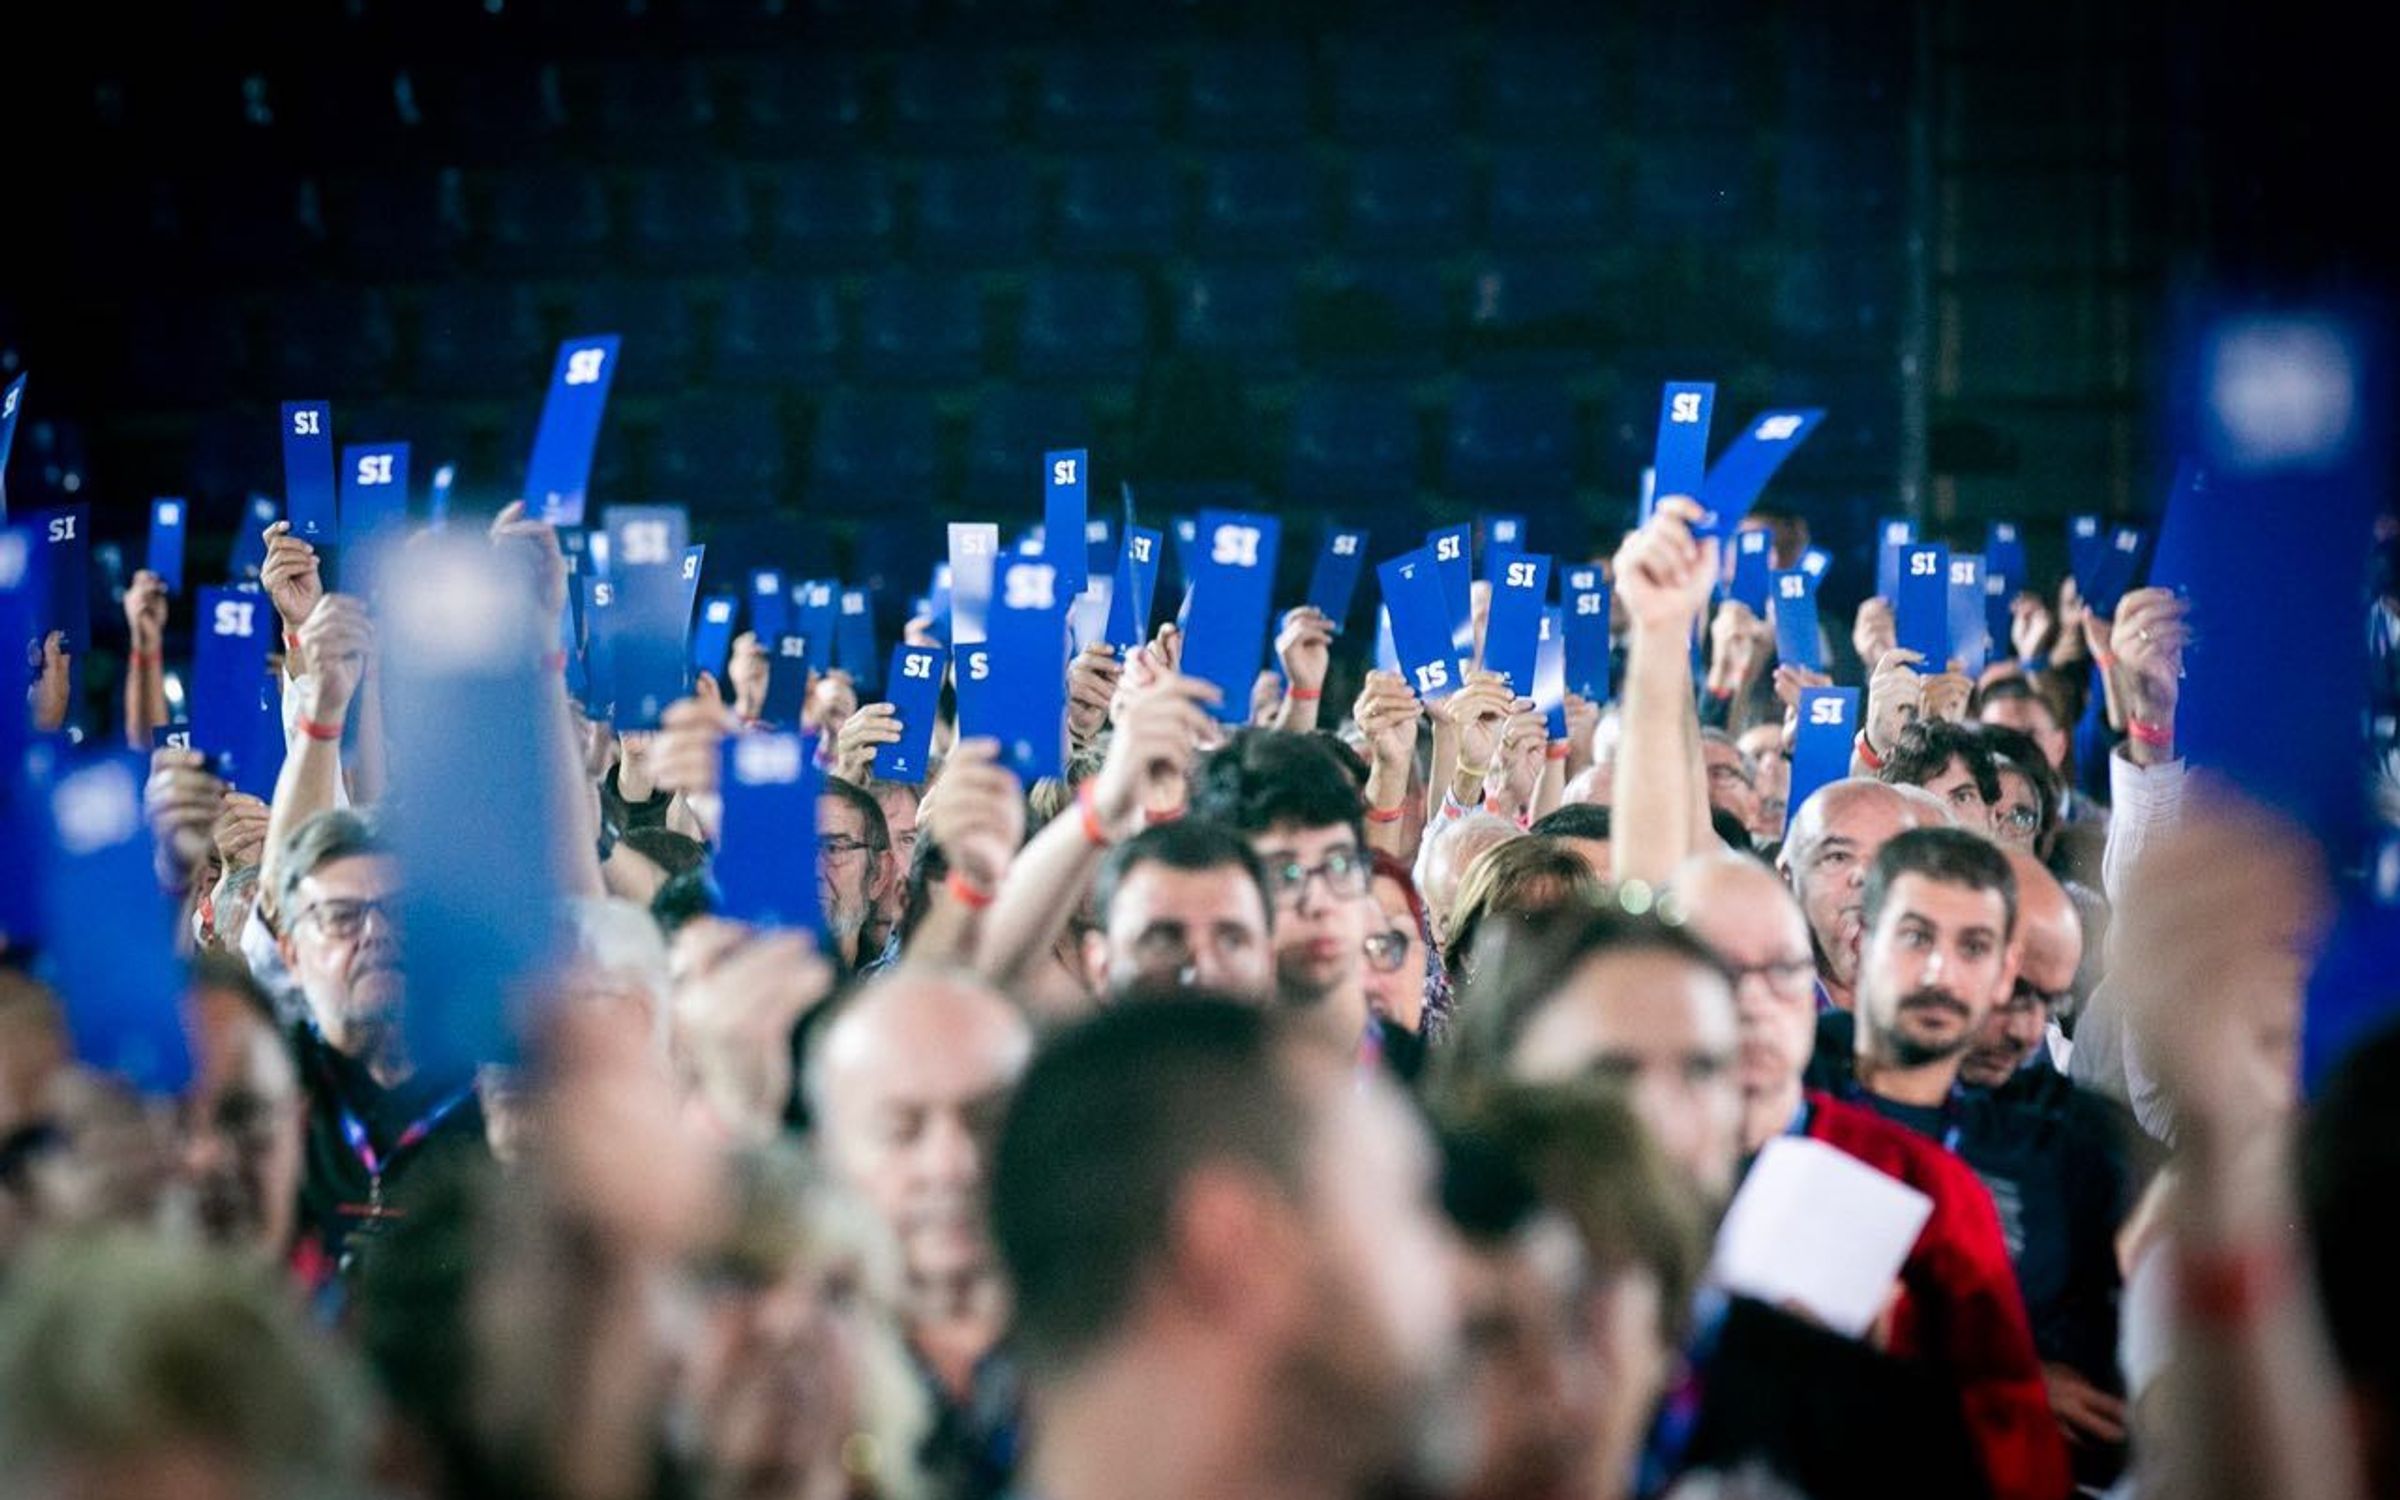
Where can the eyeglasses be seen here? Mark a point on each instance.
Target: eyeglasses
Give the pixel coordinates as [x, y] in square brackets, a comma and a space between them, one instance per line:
[835, 846]
[342, 918]
[2022, 819]
[1344, 872]
[1387, 950]
[1786, 976]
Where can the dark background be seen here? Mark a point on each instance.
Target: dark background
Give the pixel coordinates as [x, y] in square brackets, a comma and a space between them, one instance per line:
[1397, 262]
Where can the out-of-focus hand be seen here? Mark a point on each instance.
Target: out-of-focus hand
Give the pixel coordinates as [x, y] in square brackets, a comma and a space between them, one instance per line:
[1895, 698]
[1091, 683]
[182, 800]
[1665, 575]
[337, 638]
[1153, 748]
[53, 691]
[289, 575]
[240, 830]
[1304, 646]
[862, 734]
[146, 612]
[1874, 629]
[537, 543]
[976, 813]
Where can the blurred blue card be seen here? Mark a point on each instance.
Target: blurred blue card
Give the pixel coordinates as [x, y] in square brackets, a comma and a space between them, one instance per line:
[12, 406]
[2084, 544]
[1512, 632]
[59, 579]
[1583, 595]
[1136, 589]
[1891, 534]
[170, 523]
[1333, 584]
[766, 860]
[1999, 598]
[1456, 570]
[1099, 546]
[599, 596]
[1821, 748]
[1233, 583]
[374, 488]
[1679, 465]
[2004, 553]
[1420, 622]
[712, 637]
[973, 546]
[118, 978]
[770, 612]
[1550, 672]
[915, 693]
[1970, 628]
[1798, 641]
[972, 677]
[1752, 562]
[474, 723]
[437, 496]
[233, 633]
[1744, 468]
[854, 643]
[788, 669]
[308, 492]
[1065, 480]
[1027, 707]
[560, 468]
[2115, 568]
[818, 601]
[649, 626]
[1921, 613]
[1815, 561]
[250, 537]
[1497, 536]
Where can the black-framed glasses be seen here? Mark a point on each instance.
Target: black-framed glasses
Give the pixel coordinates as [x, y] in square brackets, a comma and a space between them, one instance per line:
[1387, 950]
[1344, 872]
[345, 917]
[841, 846]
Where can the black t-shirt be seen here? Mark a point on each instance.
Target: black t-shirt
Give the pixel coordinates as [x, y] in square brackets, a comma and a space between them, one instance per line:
[396, 1129]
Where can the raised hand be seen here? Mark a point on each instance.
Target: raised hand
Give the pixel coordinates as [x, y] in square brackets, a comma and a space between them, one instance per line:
[1874, 629]
[861, 735]
[976, 813]
[1304, 646]
[1742, 645]
[832, 699]
[181, 800]
[52, 691]
[1895, 698]
[1479, 711]
[1946, 695]
[1388, 713]
[290, 576]
[1153, 748]
[684, 756]
[2030, 626]
[537, 543]
[240, 830]
[146, 613]
[2152, 628]
[337, 639]
[1663, 574]
[1091, 682]
[738, 994]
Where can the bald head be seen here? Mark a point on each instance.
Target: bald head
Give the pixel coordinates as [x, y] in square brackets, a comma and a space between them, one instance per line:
[1450, 847]
[907, 1085]
[1727, 896]
[2049, 931]
[1834, 839]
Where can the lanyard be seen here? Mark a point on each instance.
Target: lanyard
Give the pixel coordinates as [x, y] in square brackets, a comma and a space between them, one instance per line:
[354, 1131]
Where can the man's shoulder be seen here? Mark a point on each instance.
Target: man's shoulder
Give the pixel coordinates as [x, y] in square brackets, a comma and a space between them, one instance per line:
[1889, 1147]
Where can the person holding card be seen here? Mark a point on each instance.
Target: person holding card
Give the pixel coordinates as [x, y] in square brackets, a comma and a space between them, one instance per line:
[145, 658]
[1951, 761]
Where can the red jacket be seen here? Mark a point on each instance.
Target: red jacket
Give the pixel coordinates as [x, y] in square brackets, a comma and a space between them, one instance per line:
[1959, 1307]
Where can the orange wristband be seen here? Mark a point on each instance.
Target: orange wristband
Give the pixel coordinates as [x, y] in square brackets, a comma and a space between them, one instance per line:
[1385, 814]
[1092, 827]
[317, 731]
[967, 893]
[1305, 695]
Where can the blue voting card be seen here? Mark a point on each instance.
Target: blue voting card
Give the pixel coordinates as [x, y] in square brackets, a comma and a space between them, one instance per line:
[1550, 672]
[2004, 552]
[2287, 411]
[12, 406]
[1333, 583]
[1420, 623]
[560, 467]
[1066, 479]
[788, 669]
[170, 523]
[766, 860]
[1970, 630]
[1497, 536]
[2083, 547]
[818, 601]
[59, 579]
[1456, 570]
[712, 637]
[649, 626]
[596, 549]
[2171, 561]
[1136, 588]
[437, 495]
[1646, 502]
[1921, 613]
[2115, 567]
[1583, 595]
[1512, 632]
[474, 728]
[118, 977]
[1026, 706]
[770, 612]
[1999, 597]
[1099, 546]
[1029, 543]
[1891, 534]
[1233, 583]
[1798, 642]
[1752, 562]
[308, 489]
[854, 641]
[695, 557]
[374, 488]
[1821, 748]
[1679, 465]
[972, 677]
[973, 546]
[1186, 530]
[1815, 562]
[233, 633]
[1087, 614]
[250, 537]
[171, 737]
[642, 536]
[599, 605]
[914, 689]
[1744, 468]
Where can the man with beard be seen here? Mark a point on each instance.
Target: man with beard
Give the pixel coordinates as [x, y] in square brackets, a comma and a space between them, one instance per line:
[855, 868]
[1833, 842]
[906, 1084]
[371, 1115]
[1231, 1273]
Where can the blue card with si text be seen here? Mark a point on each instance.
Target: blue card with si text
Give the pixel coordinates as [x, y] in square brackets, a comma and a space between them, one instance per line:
[914, 689]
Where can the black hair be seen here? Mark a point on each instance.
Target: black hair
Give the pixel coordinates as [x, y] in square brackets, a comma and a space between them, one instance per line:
[1113, 1117]
[1186, 844]
[1926, 748]
[1354, 764]
[1263, 777]
[1572, 820]
[928, 866]
[673, 852]
[1950, 856]
[683, 897]
[1731, 830]
[1487, 1197]
[2015, 750]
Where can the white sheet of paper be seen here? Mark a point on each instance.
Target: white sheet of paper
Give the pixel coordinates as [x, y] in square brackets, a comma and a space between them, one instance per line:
[1816, 1227]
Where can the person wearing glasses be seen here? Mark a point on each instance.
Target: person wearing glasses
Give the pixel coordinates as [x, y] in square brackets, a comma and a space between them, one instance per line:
[855, 867]
[1302, 815]
[1952, 762]
[372, 1115]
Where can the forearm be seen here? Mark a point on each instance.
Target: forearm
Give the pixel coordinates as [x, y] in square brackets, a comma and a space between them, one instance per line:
[1651, 824]
[1553, 789]
[145, 698]
[575, 801]
[312, 771]
[1298, 711]
[945, 938]
[1387, 800]
[1036, 898]
[1445, 764]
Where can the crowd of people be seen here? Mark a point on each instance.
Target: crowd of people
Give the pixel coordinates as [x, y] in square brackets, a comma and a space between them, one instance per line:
[1332, 1104]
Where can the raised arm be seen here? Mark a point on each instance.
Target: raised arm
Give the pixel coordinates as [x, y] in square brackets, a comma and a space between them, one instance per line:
[334, 643]
[1388, 714]
[145, 658]
[1664, 576]
[975, 814]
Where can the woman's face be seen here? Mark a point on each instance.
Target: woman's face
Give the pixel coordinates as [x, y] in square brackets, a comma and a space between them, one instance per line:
[776, 1378]
[1396, 993]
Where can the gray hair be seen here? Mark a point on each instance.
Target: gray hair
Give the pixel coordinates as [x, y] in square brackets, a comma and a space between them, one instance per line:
[336, 833]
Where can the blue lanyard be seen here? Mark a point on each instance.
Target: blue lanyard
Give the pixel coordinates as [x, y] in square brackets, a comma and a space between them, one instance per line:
[354, 1131]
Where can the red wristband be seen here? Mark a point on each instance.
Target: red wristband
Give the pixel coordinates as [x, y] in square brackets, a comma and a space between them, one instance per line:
[2106, 661]
[2156, 736]
[1385, 814]
[967, 893]
[1557, 750]
[1152, 817]
[1866, 753]
[1305, 695]
[554, 661]
[2227, 1288]
[291, 640]
[1093, 830]
[146, 658]
[317, 731]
